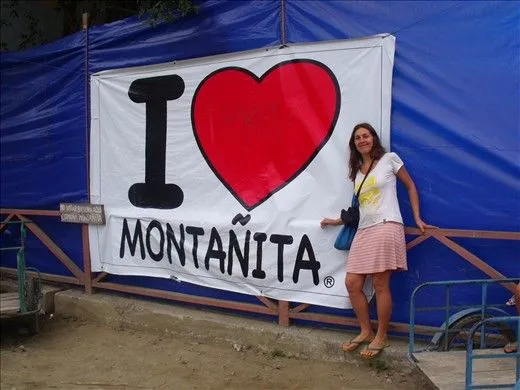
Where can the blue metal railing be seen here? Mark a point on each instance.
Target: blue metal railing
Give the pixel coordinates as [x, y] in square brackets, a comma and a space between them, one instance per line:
[20, 264]
[470, 356]
[484, 308]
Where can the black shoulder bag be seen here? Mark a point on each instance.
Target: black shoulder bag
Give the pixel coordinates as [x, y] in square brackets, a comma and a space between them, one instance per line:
[350, 217]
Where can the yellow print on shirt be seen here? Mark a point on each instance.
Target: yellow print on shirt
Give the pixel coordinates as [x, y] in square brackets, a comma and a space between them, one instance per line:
[371, 194]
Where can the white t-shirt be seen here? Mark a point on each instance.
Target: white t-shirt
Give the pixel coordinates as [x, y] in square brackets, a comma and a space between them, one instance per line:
[378, 198]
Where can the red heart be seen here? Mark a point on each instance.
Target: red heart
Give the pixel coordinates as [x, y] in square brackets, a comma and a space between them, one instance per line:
[258, 134]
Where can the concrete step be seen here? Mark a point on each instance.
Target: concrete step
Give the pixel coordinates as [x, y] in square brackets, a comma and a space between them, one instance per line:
[447, 370]
[132, 312]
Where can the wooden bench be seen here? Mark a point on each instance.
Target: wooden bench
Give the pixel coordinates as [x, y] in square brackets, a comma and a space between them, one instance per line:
[9, 303]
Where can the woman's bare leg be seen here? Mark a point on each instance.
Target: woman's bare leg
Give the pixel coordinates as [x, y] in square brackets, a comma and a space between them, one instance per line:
[381, 282]
[355, 283]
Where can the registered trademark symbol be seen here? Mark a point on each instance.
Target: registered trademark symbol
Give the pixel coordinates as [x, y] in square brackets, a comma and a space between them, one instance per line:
[328, 281]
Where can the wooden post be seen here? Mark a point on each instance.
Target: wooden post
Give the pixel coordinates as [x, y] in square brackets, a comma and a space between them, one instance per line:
[87, 270]
[283, 313]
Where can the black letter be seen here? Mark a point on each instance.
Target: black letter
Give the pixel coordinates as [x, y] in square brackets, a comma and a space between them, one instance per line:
[132, 244]
[281, 240]
[157, 225]
[305, 245]
[215, 254]
[155, 93]
[170, 236]
[258, 273]
[234, 247]
[195, 231]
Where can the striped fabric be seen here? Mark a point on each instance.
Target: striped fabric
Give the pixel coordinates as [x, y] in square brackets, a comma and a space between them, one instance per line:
[378, 248]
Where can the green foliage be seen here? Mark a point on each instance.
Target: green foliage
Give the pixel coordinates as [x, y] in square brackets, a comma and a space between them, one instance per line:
[279, 353]
[20, 14]
[165, 10]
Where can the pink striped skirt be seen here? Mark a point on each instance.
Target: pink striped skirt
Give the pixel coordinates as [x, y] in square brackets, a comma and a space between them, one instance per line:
[378, 248]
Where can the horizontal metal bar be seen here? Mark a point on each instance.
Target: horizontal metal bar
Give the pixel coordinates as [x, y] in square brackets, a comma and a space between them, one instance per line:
[449, 283]
[10, 248]
[501, 386]
[458, 307]
[473, 281]
[498, 319]
[492, 356]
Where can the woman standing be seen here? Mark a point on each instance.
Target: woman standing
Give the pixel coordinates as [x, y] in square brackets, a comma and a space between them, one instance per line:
[379, 246]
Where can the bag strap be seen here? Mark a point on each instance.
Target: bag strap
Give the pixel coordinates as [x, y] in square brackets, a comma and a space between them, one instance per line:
[361, 185]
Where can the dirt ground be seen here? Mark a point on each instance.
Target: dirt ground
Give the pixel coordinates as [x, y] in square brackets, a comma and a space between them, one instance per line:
[72, 354]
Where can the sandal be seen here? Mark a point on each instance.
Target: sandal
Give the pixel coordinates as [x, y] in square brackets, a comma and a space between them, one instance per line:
[511, 347]
[372, 352]
[352, 344]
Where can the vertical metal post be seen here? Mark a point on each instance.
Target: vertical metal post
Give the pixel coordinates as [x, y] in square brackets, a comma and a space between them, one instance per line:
[20, 269]
[283, 37]
[87, 269]
[469, 362]
[447, 318]
[483, 315]
[517, 348]
[411, 344]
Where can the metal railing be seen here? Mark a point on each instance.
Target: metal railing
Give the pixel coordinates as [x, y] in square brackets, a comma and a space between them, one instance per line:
[20, 264]
[484, 308]
[470, 355]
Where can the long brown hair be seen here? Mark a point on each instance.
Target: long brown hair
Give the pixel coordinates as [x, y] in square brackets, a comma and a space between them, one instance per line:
[356, 159]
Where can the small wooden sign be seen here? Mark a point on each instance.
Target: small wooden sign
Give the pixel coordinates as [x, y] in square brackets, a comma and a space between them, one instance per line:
[91, 214]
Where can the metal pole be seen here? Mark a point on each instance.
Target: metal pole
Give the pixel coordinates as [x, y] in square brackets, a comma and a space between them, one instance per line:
[282, 24]
[87, 269]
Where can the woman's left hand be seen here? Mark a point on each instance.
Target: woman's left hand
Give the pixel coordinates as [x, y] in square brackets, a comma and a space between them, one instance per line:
[423, 225]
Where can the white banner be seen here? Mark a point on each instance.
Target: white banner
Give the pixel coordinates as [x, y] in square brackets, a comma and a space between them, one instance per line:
[217, 171]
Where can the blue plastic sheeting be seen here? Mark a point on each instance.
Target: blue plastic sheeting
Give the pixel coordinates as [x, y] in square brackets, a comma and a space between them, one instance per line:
[219, 27]
[455, 118]
[42, 119]
[455, 122]
[456, 100]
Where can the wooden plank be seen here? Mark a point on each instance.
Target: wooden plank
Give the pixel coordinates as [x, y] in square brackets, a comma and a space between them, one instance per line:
[475, 261]
[198, 300]
[3, 225]
[43, 213]
[350, 321]
[416, 241]
[87, 269]
[44, 276]
[270, 304]
[283, 313]
[55, 249]
[447, 370]
[99, 277]
[9, 303]
[483, 234]
[300, 308]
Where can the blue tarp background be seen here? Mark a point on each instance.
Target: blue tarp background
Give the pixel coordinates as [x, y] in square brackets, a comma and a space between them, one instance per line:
[455, 117]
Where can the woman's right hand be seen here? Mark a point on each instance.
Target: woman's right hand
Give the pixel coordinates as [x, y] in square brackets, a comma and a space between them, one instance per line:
[330, 221]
